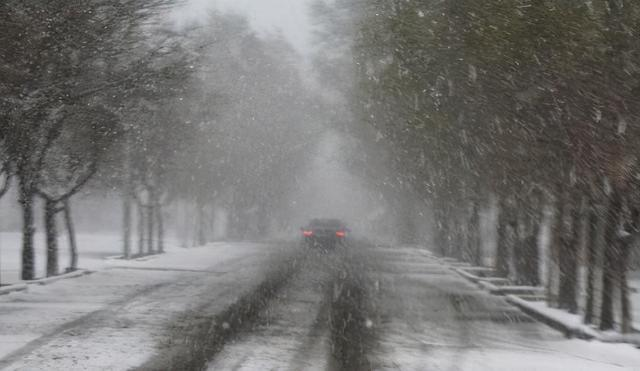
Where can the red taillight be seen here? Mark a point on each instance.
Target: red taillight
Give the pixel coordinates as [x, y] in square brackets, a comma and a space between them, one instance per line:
[307, 233]
[340, 234]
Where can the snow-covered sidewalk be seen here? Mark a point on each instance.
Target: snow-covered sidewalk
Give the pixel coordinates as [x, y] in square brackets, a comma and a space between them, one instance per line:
[571, 324]
[93, 249]
[531, 301]
[116, 317]
[435, 319]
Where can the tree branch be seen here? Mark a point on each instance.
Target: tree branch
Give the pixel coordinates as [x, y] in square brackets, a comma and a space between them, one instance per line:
[93, 168]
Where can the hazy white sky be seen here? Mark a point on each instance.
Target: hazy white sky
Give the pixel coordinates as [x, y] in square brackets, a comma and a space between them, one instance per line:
[291, 17]
[329, 190]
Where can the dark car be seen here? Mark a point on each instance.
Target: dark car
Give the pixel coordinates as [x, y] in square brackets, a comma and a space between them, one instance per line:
[324, 233]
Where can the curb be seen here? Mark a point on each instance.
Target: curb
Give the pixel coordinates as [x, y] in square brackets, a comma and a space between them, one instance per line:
[43, 281]
[580, 331]
[465, 274]
[13, 288]
[492, 285]
[569, 331]
[135, 257]
[114, 257]
[48, 280]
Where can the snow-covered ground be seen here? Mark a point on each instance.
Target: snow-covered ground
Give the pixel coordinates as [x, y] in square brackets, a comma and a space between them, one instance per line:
[434, 320]
[575, 321]
[116, 317]
[292, 333]
[92, 249]
[416, 314]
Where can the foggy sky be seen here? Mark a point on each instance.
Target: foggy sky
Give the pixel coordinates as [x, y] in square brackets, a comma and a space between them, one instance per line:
[291, 17]
[326, 189]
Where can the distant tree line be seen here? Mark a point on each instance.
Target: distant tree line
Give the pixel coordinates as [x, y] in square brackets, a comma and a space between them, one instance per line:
[255, 120]
[528, 108]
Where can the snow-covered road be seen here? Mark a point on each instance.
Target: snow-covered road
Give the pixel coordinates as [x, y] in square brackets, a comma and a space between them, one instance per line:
[117, 318]
[399, 309]
[381, 308]
[291, 333]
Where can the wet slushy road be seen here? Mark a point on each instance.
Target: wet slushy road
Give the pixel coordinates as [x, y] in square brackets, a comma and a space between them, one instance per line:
[378, 308]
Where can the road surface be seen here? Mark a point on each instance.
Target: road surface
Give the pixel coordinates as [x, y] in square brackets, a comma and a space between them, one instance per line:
[361, 308]
[390, 308]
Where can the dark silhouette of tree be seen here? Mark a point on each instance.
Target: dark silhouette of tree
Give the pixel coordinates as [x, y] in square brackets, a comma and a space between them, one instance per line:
[527, 108]
[56, 55]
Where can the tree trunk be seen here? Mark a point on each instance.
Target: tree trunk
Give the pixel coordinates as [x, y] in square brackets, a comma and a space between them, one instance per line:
[465, 234]
[5, 183]
[519, 227]
[531, 254]
[626, 317]
[626, 243]
[443, 230]
[201, 238]
[183, 222]
[263, 220]
[150, 226]
[475, 242]
[609, 264]
[126, 224]
[457, 242]
[26, 199]
[568, 260]
[502, 249]
[529, 274]
[127, 199]
[51, 232]
[591, 252]
[443, 234]
[140, 230]
[557, 246]
[73, 246]
[160, 228]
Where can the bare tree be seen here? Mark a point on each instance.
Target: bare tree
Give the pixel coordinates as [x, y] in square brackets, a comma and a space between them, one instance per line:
[58, 59]
[68, 164]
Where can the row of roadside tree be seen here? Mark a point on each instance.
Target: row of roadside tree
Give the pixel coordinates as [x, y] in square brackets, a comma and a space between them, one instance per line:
[117, 97]
[527, 110]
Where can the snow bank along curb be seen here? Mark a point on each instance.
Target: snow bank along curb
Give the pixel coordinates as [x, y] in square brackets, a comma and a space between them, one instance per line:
[43, 281]
[77, 273]
[525, 298]
[497, 285]
[571, 327]
[12, 288]
[48, 280]
[579, 331]
[570, 331]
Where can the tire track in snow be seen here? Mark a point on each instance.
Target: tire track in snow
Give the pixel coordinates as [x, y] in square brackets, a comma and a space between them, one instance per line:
[322, 320]
[314, 350]
[198, 336]
[291, 332]
[353, 315]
